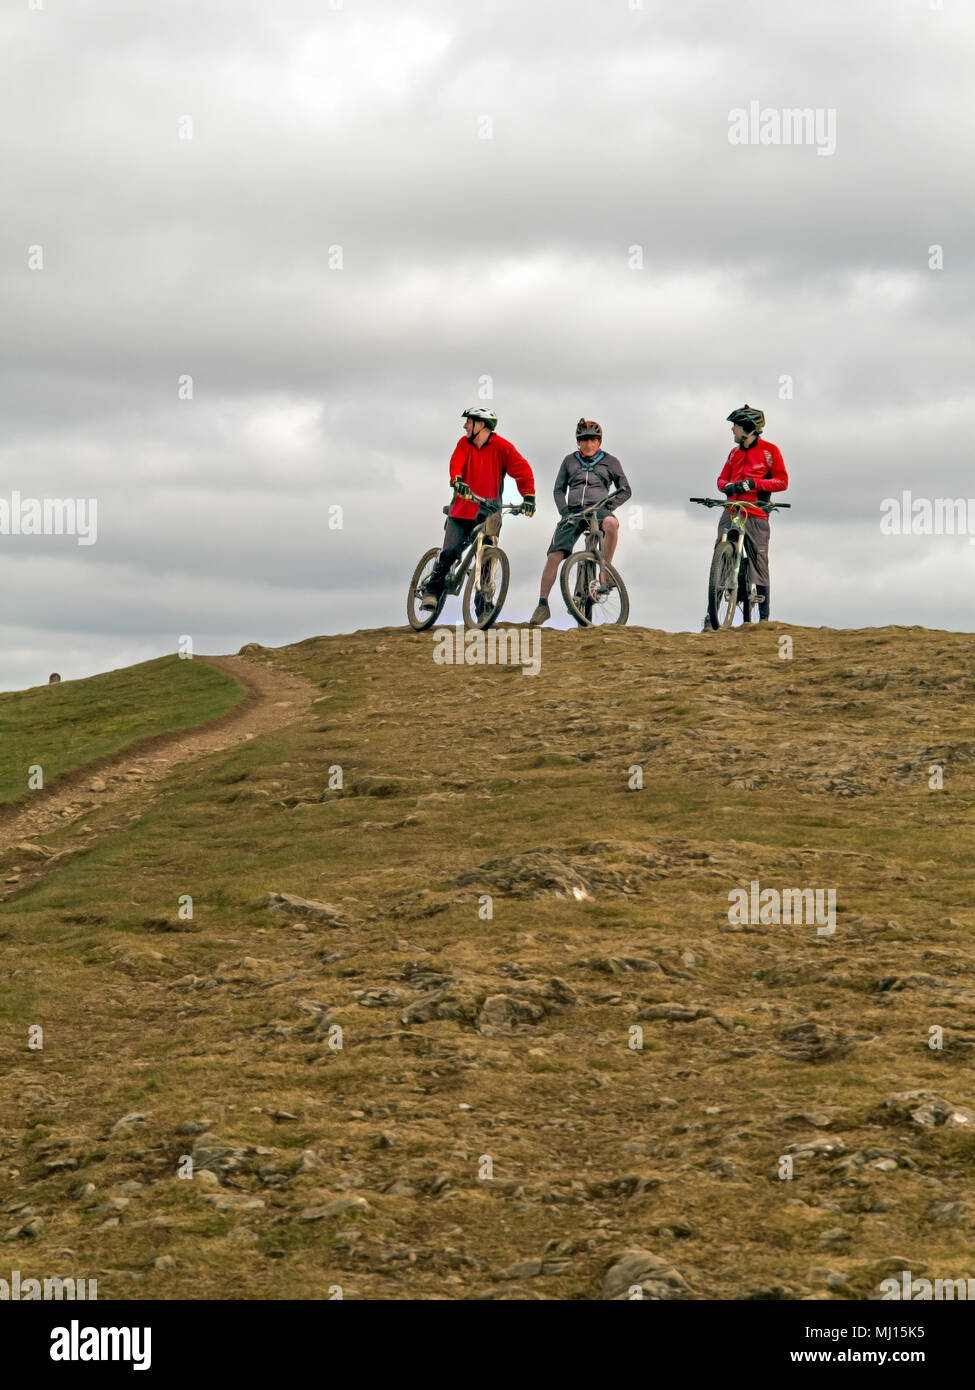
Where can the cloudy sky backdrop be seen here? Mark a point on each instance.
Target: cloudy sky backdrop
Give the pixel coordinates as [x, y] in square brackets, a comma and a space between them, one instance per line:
[361, 125]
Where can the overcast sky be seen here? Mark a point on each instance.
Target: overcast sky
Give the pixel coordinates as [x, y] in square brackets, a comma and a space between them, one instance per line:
[362, 126]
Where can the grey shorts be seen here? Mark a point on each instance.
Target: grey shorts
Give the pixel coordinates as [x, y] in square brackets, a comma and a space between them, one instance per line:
[756, 547]
[568, 532]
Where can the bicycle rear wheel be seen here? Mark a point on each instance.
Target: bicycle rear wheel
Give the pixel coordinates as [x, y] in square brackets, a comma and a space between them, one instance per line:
[485, 593]
[590, 601]
[723, 585]
[749, 607]
[421, 618]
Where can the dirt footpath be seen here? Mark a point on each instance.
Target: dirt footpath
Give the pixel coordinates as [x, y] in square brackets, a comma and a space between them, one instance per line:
[272, 700]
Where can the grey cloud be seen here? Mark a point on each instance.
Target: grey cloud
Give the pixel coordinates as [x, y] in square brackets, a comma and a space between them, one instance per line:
[312, 387]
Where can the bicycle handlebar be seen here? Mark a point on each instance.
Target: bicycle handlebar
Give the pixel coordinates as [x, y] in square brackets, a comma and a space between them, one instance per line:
[736, 502]
[493, 504]
[593, 507]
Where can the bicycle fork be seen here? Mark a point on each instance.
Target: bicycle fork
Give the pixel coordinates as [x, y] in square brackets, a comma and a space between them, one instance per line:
[484, 563]
[740, 580]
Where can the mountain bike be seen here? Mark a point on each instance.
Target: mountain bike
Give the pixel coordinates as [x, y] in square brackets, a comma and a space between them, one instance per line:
[728, 586]
[593, 591]
[482, 568]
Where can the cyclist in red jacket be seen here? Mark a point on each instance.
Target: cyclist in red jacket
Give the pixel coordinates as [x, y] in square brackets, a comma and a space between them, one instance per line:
[478, 465]
[754, 466]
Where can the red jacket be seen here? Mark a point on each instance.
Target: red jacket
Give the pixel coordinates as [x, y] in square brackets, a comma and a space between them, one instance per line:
[763, 464]
[484, 469]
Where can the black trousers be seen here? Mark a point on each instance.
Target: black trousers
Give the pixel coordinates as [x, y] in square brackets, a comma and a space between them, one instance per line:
[456, 534]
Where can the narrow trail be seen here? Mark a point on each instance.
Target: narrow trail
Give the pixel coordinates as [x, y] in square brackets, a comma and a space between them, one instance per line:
[273, 700]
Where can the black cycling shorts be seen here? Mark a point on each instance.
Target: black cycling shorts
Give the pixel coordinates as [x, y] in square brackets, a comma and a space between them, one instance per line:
[568, 532]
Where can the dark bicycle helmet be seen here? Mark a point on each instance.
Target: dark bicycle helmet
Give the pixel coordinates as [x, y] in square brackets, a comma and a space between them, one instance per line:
[749, 417]
[588, 429]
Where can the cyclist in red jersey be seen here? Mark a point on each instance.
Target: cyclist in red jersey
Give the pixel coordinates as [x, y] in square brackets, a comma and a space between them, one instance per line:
[479, 464]
[755, 467]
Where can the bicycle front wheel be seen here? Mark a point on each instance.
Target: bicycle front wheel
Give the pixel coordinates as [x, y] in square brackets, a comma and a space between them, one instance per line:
[486, 587]
[723, 585]
[422, 618]
[593, 591]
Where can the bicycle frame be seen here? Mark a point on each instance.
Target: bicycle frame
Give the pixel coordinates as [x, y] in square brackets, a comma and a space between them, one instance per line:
[593, 534]
[480, 569]
[733, 533]
[736, 522]
[736, 525]
[590, 586]
[484, 535]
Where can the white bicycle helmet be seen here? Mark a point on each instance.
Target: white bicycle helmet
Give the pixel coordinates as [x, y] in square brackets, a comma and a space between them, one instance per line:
[486, 417]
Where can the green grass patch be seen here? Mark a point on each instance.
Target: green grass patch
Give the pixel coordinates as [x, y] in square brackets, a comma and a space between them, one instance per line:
[60, 727]
[562, 1101]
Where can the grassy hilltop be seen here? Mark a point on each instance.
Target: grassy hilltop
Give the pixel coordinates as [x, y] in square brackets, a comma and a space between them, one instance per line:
[486, 1129]
[61, 727]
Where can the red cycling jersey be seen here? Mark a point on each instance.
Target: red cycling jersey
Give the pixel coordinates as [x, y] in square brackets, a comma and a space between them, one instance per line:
[484, 469]
[763, 464]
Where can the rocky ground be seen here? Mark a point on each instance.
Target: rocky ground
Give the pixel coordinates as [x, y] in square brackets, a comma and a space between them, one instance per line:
[461, 1011]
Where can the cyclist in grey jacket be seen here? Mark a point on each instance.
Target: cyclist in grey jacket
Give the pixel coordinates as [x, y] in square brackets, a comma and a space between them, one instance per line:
[586, 477]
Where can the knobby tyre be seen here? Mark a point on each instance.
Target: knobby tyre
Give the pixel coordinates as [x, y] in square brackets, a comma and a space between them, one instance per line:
[576, 580]
[419, 619]
[723, 585]
[749, 610]
[484, 600]
[590, 602]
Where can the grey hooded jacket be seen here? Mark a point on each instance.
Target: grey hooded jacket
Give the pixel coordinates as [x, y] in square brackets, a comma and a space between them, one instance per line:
[579, 486]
